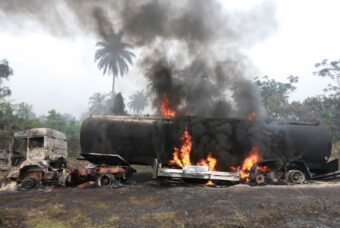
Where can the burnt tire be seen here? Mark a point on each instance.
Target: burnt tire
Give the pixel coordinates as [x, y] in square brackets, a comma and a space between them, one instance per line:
[104, 180]
[261, 178]
[29, 183]
[296, 176]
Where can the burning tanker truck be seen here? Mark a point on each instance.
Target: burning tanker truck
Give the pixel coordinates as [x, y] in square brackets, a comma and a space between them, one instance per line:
[215, 150]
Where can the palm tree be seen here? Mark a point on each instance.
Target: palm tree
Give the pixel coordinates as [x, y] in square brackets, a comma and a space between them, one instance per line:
[138, 101]
[113, 57]
[98, 103]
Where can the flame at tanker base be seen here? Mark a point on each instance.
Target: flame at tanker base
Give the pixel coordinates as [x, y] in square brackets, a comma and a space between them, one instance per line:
[181, 156]
[253, 157]
[248, 163]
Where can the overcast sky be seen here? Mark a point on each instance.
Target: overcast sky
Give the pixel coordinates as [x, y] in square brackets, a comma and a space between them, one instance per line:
[60, 73]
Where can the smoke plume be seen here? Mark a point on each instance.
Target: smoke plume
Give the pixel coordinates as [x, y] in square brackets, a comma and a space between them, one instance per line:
[193, 51]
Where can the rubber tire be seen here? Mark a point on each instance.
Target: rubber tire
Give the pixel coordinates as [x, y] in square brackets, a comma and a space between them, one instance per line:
[29, 183]
[104, 177]
[296, 171]
[262, 175]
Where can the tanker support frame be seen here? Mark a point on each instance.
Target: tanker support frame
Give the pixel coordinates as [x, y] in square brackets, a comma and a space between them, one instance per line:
[192, 172]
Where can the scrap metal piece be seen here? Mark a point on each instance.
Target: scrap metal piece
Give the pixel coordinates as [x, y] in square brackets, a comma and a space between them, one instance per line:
[89, 184]
[194, 172]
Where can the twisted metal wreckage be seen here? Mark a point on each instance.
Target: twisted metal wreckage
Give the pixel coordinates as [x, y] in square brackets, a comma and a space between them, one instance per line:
[213, 151]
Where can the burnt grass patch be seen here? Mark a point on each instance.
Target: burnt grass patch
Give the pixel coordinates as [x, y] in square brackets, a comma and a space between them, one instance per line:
[144, 203]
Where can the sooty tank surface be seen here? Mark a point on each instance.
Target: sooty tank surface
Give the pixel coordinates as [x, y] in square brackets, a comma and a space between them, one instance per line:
[131, 138]
[311, 143]
[139, 140]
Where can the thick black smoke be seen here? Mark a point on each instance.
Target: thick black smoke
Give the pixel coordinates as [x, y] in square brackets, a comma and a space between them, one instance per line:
[194, 46]
[192, 52]
[196, 57]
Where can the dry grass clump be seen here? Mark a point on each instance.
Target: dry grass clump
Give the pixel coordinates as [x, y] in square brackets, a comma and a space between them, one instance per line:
[161, 219]
[10, 217]
[268, 218]
[336, 150]
[57, 216]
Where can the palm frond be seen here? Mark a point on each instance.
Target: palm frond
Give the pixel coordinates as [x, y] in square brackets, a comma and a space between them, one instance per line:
[113, 57]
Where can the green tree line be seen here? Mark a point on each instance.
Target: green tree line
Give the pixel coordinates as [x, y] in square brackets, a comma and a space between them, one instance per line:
[324, 108]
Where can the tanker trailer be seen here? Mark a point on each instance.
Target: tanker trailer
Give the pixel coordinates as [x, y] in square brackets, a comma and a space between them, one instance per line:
[139, 140]
[117, 140]
[287, 149]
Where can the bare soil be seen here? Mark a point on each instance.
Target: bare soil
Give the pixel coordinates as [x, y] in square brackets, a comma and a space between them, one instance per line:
[145, 203]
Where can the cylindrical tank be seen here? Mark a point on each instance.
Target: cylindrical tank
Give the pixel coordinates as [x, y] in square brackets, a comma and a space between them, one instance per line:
[139, 140]
[311, 143]
[129, 138]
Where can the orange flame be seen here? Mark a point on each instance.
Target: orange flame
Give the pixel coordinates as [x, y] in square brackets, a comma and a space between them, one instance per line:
[166, 109]
[263, 168]
[210, 162]
[181, 156]
[252, 158]
[210, 183]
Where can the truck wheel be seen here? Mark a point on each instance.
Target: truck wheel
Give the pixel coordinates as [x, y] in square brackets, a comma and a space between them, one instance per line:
[29, 183]
[296, 176]
[104, 180]
[261, 178]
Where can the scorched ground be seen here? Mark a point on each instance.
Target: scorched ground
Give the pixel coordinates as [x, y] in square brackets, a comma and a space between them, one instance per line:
[144, 203]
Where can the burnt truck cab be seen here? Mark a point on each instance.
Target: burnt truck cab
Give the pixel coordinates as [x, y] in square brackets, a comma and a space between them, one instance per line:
[38, 153]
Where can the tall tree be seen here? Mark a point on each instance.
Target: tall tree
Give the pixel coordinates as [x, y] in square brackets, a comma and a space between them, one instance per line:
[330, 103]
[7, 119]
[66, 124]
[138, 101]
[55, 120]
[330, 69]
[14, 117]
[25, 117]
[24, 111]
[113, 57]
[119, 105]
[5, 72]
[275, 95]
